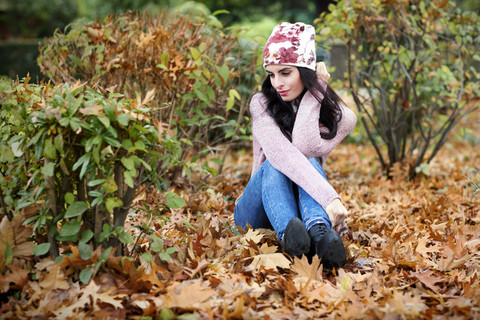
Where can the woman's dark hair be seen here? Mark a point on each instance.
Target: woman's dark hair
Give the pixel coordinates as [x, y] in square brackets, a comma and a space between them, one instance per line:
[282, 112]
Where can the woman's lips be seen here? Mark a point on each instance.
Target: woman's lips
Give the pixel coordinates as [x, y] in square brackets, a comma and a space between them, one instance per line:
[283, 93]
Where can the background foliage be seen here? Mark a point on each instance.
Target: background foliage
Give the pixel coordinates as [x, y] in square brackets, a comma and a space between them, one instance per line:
[78, 157]
[410, 71]
[195, 65]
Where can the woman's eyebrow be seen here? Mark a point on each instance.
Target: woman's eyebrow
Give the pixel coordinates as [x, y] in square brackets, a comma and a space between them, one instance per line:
[281, 70]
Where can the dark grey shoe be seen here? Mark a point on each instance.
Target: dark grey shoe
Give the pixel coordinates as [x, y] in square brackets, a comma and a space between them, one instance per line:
[296, 241]
[328, 245]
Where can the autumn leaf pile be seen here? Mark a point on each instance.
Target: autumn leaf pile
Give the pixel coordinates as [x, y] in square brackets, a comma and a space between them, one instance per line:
[413, 252]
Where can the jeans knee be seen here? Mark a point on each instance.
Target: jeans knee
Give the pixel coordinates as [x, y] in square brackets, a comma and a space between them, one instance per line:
[316, 164]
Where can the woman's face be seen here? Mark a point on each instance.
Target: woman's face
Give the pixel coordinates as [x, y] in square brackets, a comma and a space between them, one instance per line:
[286, 80]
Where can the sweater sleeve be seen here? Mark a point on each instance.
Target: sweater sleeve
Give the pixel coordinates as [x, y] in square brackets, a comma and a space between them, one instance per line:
[306, 132]
[285, 157]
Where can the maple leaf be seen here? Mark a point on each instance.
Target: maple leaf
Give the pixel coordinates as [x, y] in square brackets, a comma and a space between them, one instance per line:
[54, 279]
[188, 295]
[16, 235]
[423, 250]
[252, 235]
[406, 304]
[265, 249]
[270, 261]
[310, 271]
[90, 295]
[14, 278]
[426, 278]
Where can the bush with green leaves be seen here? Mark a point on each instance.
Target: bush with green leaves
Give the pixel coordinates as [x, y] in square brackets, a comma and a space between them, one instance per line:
[410, 71]
[80, 155]
[192, 62]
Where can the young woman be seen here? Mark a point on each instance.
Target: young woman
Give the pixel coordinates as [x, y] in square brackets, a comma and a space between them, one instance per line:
[297, 120]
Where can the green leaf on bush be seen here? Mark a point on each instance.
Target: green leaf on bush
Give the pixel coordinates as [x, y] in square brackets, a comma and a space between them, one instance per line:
[6, 154]
[217, 12]
[105, 121]
[82, 160]
[58, 142]
[125, 238]
[166, 314]
[76, 209]
[157, 245]
[86, 275]
[106, 231]
[127, 177]
[69, 198]
[174, 201]
[224, 72]
[75, 60]
[162, 66]
[75, 124]
[217, 161]
[41, 249]
[86, 236]
[70, 228]
[84, 250]
[110, 185]
[128, 163]
[49, 150]
[94, 183]
[48, 169]
[147, 257]
[112, 203]
[195, 53]
[123, 118]
[127, 144]
[164, 58]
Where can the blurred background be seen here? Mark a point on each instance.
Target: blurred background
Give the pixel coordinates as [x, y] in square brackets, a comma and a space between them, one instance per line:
[25, 23]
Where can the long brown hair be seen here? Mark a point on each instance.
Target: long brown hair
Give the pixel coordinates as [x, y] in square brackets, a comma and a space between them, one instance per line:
[283, 114]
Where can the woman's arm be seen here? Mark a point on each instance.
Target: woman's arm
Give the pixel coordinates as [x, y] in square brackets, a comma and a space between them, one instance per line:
[306, 131]
[285, 157]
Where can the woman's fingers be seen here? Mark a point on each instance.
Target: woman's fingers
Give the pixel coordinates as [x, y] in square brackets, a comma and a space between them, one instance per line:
[321, 71]
[336, 212]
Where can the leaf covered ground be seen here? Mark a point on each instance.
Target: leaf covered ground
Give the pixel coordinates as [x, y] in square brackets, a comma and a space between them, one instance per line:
[413, 252]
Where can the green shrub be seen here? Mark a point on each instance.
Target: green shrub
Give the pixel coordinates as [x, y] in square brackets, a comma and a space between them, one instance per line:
[80, 154]
[191, 62]
[410, 71]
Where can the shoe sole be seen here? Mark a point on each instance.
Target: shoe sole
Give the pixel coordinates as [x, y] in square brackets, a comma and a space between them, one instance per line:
[298, 243]
[332, 252]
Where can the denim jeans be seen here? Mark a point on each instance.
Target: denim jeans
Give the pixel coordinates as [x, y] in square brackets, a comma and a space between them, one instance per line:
[271, 199]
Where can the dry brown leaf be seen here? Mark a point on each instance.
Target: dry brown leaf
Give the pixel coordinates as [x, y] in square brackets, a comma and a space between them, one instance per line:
[270, 261]
[265, 249]
[188, 295]
[54, 279]
[17, 235]
[310, 271]
[252, 235]
[428, 280]
[13, 278]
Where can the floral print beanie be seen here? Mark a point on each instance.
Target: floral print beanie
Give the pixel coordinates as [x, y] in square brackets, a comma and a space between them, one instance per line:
[291, 44]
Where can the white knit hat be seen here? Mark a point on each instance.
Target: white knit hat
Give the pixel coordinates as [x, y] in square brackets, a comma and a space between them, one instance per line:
[291, 44]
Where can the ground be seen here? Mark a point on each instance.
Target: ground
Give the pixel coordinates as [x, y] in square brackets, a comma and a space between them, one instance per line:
[413, 252]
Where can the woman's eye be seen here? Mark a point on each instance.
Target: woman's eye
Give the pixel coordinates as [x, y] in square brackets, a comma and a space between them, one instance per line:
[286, 73]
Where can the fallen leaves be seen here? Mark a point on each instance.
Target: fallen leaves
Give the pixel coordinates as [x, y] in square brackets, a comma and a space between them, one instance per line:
[412, 252]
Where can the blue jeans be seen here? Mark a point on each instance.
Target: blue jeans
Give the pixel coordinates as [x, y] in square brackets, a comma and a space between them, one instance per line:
[271, 199]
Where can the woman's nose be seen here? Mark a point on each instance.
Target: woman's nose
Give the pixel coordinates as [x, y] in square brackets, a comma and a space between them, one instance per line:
[277, 83]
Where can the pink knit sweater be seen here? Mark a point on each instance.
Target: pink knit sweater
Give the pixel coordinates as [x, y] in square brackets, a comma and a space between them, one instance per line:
[291, 158]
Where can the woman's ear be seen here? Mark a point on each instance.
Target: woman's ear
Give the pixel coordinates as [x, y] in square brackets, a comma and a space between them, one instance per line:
[321, 71]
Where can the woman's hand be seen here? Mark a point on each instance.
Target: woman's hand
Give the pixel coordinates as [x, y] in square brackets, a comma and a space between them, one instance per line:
[321, 71]
[337, 213]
